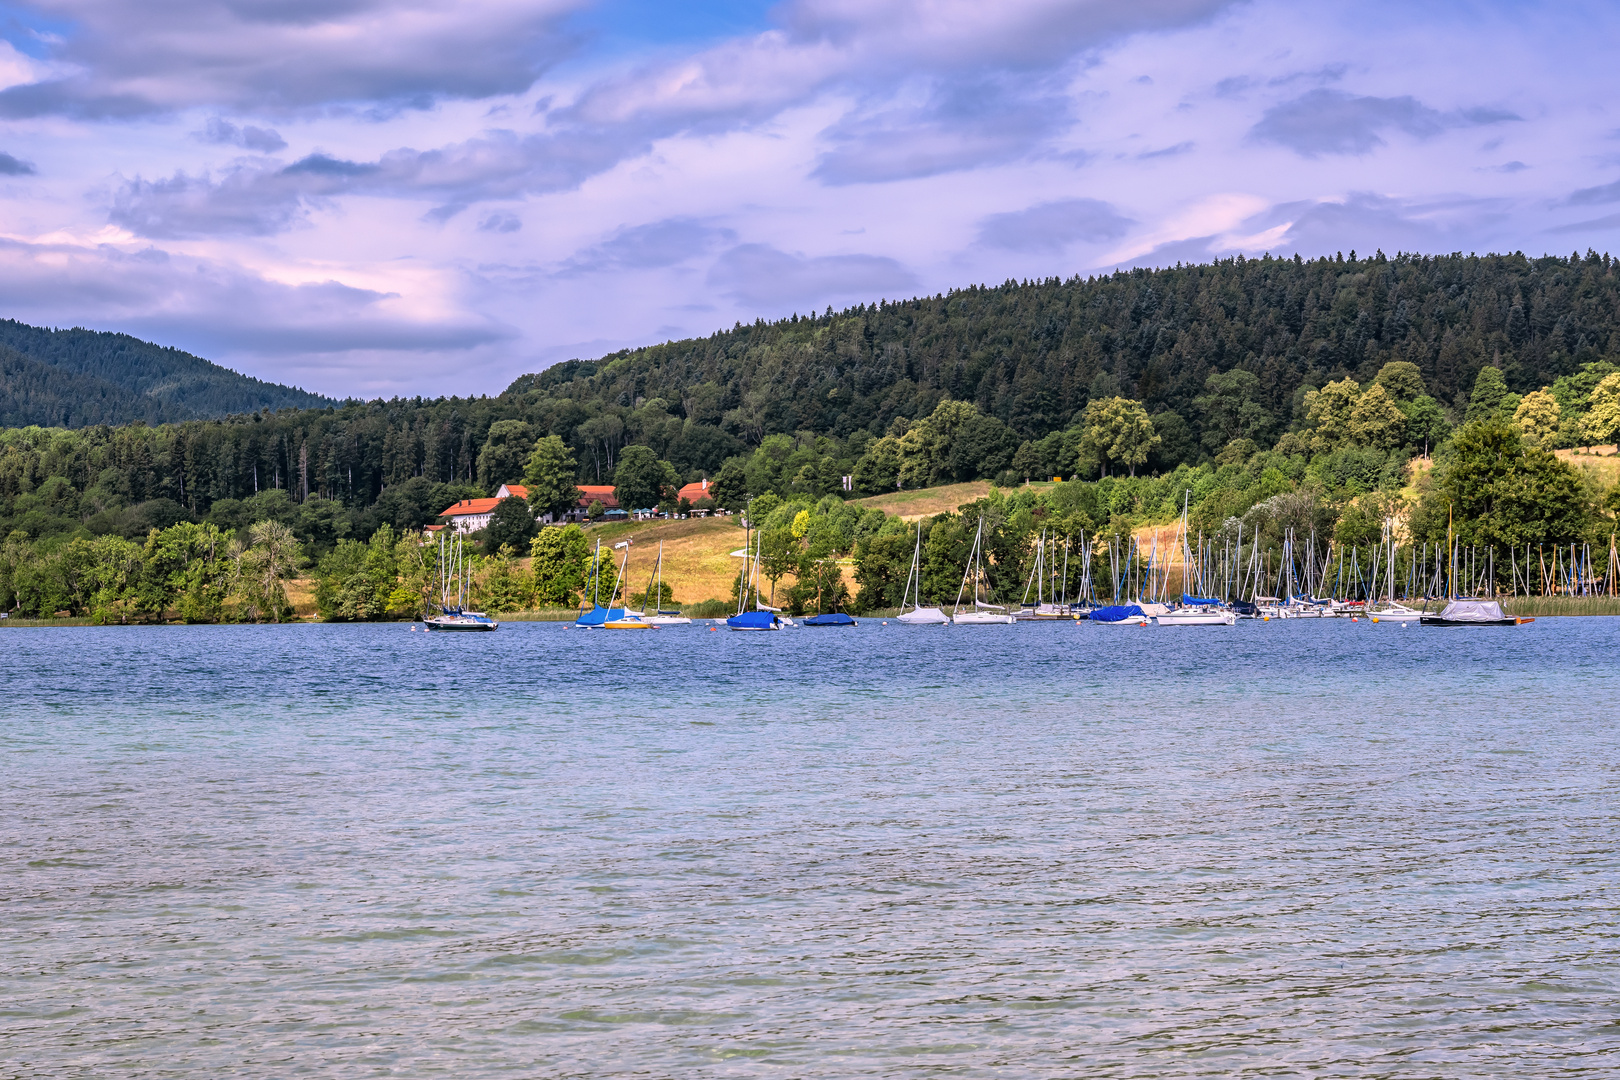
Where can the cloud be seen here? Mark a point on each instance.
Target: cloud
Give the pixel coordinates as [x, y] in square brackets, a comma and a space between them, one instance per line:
[500, 221]
[1325, 121]
[1194, 249]
[11, 166]
[218, 306]
[117, 59]
[1168, 151]
[649, 247]
[1052, 226]
[1596, 196]
[224, 133]
[1608, 221]
[876, 50]
[1367, 221]
[263, 199]
[762, 276]
[963, 125]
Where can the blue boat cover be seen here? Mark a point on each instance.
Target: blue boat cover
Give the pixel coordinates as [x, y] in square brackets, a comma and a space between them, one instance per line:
[752, 620]
[832, 618]
[1116, 613]
[1194, 601]
[599, 615]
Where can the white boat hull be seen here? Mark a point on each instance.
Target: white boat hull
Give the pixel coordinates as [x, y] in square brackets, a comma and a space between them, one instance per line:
[924, 616]
[667, 620]
[982, 618]
[1198, 618]
[1396, 614]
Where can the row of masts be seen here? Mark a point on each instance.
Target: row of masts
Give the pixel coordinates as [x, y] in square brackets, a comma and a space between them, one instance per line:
[1235, 567]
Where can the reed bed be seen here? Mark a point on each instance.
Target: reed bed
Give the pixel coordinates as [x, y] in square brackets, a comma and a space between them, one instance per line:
[1540, 606]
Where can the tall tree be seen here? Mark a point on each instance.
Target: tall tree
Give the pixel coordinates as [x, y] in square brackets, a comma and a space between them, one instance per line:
[641, 481]
[1119, 430]
[1490, 398]
[502, 460]
[549, 476]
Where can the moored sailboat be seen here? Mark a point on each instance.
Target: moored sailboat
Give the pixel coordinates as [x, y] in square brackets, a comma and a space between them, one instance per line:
[982, 613]
[453, 576]
[918, 615]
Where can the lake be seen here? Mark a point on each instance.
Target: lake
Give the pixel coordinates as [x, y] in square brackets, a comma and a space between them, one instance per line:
[1324, 848]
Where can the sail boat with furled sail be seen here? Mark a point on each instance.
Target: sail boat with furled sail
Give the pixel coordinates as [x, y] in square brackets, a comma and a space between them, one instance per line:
[918, 615]
[453, 579]
[656, 615]
[759, 617]
[981, 613]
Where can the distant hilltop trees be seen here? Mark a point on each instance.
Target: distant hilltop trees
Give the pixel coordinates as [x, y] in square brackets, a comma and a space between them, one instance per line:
[78, 378]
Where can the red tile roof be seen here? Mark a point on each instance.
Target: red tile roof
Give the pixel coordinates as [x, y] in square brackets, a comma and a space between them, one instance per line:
[694, 492]
[515, 491]
[589, 493]
[468, 507]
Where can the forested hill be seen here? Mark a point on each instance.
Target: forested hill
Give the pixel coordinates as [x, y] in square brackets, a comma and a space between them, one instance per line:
[1184, 366]
[1032, 354]
[78, 378]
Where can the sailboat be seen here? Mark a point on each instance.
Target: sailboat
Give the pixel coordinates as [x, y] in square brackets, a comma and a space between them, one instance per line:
[918, 615]
[981, 614]
[1392, 612]
[627, 620]
[453, 574]
[1194, 610]
[759, 617]
[655, 596]
[598, 615]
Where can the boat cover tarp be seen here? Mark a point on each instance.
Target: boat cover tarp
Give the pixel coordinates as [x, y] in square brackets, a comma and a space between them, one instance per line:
[1115, 613]
[752, 620]
[1197, 601]
[831, 618]
[1243, 607]
[1473, 611]
[599, 615]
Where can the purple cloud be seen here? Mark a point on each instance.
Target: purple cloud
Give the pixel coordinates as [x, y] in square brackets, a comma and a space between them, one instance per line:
[263, 55]
[764, 277]
[1053, 226]
[1326, 121]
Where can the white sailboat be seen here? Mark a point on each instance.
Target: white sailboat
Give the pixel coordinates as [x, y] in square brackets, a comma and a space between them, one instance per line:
[1193, 610]
[656, 615]
[981, 614]
[918, 615]
[1390, 611]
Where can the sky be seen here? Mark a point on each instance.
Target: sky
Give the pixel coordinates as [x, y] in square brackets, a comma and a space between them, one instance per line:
[399, 197]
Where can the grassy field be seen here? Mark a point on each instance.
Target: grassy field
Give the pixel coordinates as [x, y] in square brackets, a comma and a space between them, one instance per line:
[1602, 463]
[698, 564]
[925, 502]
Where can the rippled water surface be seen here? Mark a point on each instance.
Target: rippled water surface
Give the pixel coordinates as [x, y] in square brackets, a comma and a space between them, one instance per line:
[1035, 851]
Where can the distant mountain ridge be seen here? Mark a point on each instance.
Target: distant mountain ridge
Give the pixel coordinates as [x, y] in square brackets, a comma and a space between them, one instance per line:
[79, 378]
